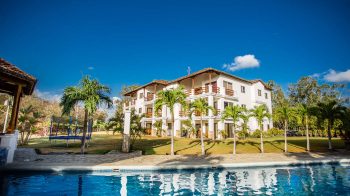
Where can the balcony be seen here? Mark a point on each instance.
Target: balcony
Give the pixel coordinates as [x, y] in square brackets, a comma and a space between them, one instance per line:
[217, 112]
[229, 92]
[149, 97]
[183, 113]
[149, 115]
[198, 91]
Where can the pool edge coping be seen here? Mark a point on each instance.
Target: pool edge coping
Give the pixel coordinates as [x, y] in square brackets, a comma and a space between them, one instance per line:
[135, 168]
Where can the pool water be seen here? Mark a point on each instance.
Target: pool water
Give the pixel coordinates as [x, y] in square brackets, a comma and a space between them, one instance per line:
[301, 180]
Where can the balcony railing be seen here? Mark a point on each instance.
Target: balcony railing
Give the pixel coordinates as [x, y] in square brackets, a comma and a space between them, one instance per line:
[183, 113]
[149, 97]
[198, 91]
[216, 89]
[229, 92]
[149, 115]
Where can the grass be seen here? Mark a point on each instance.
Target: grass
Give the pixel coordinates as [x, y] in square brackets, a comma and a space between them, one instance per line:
[102, 143]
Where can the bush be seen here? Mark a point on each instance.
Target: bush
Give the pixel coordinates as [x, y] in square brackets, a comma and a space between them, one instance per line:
[243, 134]
[256, 134]
[274, 132]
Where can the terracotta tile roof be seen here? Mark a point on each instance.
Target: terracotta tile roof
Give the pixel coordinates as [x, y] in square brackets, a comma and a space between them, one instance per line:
[10, 70]
[162, 82]
[206, 70]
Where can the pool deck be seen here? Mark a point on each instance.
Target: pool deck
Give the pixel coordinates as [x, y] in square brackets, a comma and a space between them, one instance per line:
[135, 161]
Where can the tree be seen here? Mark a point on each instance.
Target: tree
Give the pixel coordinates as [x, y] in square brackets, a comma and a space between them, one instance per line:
[136, 128]
[285, 113]
[91, 94]
[304, 112]
[200, 106]
[329, 111]
[235, 113]
[28, 119]
[158, 127]
[116, 123]
[169, 98]
[260, 113]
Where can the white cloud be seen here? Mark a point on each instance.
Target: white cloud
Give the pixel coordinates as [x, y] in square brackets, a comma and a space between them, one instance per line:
[333, 76]
[91, 68]
[243, 62]
[47, 95]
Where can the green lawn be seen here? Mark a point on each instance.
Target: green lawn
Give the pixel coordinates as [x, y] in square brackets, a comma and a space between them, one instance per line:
[102, 143]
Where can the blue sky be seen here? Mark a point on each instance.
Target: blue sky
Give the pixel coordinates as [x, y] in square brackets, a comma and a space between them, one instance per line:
[127, 42]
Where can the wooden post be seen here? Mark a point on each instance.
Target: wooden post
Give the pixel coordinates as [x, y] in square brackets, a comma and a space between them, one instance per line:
[15, 109]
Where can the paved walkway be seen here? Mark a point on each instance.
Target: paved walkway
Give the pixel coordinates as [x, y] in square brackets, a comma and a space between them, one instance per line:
[26, 160]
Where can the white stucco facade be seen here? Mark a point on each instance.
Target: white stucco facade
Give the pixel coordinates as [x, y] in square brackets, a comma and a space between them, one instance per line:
[219, 88]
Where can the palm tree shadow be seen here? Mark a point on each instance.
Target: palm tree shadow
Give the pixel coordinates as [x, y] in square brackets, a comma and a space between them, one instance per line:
[212, 143]
[194, 142]
[256, 145]
[274, 145]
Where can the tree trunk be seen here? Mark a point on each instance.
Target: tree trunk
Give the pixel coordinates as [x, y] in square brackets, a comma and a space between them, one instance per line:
[329, 135]
[234, 138]
[83, 140]
[172, 134]
[202, 140]
[285, 136]
[307, 134]
[261, 139]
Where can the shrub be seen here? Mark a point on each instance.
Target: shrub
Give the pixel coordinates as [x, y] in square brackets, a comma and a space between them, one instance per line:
[256, 134]
[274, 132]
[223, 134]
[243, 134]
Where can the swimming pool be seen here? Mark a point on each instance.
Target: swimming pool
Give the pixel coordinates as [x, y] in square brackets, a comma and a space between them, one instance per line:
[302, 180]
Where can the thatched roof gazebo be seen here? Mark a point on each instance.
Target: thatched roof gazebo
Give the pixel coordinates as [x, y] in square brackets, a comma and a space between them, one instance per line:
[15, 82]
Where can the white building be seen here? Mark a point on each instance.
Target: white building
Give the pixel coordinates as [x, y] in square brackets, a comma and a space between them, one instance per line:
[219, 88]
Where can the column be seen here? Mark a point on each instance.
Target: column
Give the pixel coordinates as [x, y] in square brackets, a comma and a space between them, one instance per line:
[221, 124]
[15, 108]
[153, 133]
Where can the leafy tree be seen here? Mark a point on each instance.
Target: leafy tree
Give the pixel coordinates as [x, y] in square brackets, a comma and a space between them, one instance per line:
[158, 127]
[188, 127]
[277, 94]
[285, 113]
[116, 123]
[260, 113]
[28, 119]
[136, 128]
[200, 106]
[329, 111]
[235, 113]
[89, 92]
[169, 98]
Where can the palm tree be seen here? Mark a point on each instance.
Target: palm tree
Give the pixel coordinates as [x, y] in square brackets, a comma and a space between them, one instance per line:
[235, 113]
[169, 98]
[89, 92]
[200, 106]
[285, 113]
[304, 112]
[330, 111]
[260, 113]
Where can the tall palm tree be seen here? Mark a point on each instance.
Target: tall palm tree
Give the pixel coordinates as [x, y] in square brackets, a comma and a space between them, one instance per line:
[236, 113]
[260, 113]
[329, 110]
[285, 113]
[169, 98]
[200, 106]
[91, 94]
[304, 112]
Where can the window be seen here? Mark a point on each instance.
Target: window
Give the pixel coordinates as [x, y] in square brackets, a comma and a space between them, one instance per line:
[266, 96]
[228, 85]
[243, 89]
[244, 106]
[259, 92]
[141, 95]
[227, 104]
[140, 110]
